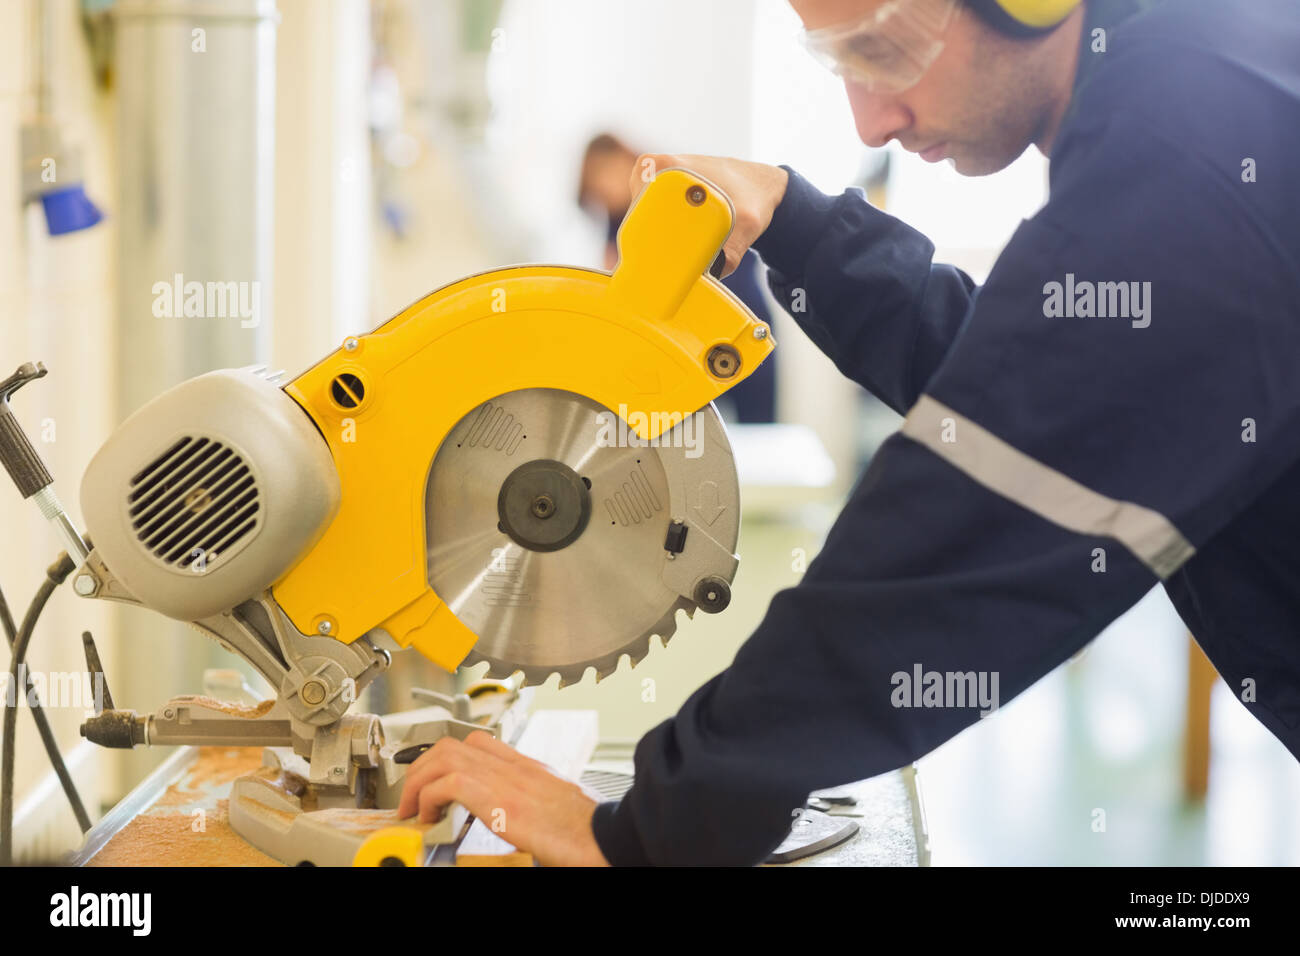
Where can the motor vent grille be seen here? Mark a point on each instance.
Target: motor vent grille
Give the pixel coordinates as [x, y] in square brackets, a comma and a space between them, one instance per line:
[195, 504]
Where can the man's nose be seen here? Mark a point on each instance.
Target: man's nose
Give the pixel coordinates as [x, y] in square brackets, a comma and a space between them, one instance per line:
[880, 117]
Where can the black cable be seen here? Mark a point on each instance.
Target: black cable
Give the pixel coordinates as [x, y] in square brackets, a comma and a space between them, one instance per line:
[55, 575]
[42, 721]
[11, 720]
[7, 620]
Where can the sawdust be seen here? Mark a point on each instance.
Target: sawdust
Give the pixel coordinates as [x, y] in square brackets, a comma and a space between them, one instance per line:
[215, 769]
[228, 707]
[173, 833]
[167, 833]
[171, 839]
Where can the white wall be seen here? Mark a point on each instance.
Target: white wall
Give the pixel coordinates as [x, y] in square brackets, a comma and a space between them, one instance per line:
[56, 306]
[322, 179]
[667, 77]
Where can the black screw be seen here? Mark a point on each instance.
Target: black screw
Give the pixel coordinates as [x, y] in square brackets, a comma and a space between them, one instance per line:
[347, 390]
[712, 595]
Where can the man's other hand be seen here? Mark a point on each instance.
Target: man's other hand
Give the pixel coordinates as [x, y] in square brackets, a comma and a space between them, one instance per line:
[516, 797]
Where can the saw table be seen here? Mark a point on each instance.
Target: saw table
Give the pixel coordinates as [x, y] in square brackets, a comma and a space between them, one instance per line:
[178, 817]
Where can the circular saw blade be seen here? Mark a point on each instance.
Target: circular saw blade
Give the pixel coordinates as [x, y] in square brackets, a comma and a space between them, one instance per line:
[584, 605]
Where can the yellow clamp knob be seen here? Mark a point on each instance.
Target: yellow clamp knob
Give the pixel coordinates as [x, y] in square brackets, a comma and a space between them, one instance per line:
[392, 846]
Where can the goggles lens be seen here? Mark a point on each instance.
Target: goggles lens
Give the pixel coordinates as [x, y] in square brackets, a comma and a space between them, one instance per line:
[887, 51]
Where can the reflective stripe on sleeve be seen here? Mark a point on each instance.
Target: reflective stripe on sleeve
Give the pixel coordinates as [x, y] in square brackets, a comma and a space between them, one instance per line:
[984, 457]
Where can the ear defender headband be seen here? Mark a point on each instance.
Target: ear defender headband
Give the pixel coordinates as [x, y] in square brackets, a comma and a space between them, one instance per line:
[1023, 18]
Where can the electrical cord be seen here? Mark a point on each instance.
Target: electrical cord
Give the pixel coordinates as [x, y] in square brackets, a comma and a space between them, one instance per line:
[55, 575]
[46, 732]
[7, 620]
[43, 727]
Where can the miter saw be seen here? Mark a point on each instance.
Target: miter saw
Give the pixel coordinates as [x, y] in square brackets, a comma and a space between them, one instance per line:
[523, 468]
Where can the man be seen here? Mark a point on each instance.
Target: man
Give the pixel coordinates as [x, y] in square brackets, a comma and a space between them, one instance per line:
[1119, 405]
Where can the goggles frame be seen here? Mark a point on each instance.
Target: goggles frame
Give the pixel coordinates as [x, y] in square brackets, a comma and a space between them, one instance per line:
[890, 49]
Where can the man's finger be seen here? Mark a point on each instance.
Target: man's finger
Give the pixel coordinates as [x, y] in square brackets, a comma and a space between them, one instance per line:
[430, 804]
[503, 751]
[734, 250]
[647, 167]
[485, 742]
[448, 755]
[488, 744]
[463, 787]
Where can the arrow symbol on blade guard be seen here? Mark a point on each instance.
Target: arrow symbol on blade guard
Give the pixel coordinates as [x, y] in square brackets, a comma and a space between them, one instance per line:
[709, 509]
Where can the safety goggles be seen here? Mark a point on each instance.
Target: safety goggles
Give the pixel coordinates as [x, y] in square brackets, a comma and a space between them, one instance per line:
[887, 51]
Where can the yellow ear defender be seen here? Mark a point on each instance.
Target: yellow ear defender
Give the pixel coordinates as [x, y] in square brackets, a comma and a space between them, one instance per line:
[1023, 17]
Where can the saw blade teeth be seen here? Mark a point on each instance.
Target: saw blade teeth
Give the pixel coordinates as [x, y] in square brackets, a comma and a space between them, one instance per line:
[472, 661]
[534, 677]
[666, 626]
[494, 670]
[664, 629]
[608, 665]
[637, 654]
[573, 675]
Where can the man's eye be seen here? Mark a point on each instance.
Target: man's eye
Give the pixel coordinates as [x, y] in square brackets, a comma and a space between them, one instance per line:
[874, 50]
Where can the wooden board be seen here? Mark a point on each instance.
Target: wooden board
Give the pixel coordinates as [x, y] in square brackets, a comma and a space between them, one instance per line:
[564, 740]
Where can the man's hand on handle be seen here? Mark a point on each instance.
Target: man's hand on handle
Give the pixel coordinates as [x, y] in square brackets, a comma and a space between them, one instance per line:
[755, 190]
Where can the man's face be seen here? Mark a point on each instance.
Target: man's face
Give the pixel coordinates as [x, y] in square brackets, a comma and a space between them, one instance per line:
[981, 103]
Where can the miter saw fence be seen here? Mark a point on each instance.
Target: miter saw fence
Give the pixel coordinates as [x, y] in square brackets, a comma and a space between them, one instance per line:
[524, 468]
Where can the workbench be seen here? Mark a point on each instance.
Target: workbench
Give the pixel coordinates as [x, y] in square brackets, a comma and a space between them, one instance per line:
[892, 829]
[177, 817]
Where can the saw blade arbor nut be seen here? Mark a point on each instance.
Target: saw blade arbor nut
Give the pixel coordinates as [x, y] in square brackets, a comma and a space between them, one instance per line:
[544, 505]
